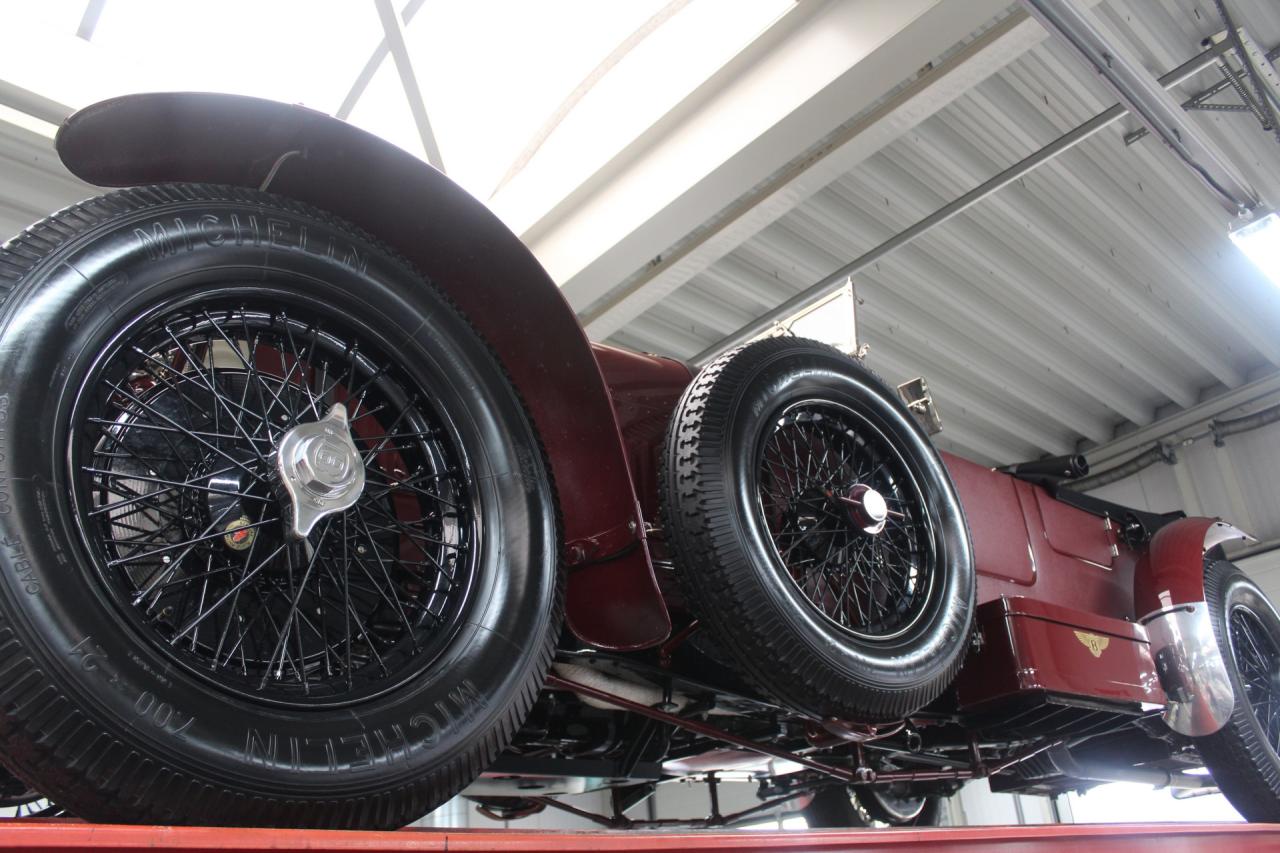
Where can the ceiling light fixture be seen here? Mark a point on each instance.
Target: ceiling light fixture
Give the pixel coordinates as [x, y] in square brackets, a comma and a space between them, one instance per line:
[1259, 239]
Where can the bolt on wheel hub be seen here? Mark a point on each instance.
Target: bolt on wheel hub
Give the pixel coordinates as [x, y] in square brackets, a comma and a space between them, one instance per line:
[320, 470]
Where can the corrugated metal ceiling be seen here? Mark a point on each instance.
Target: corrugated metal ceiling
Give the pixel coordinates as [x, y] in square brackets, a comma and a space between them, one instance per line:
[1095, 294]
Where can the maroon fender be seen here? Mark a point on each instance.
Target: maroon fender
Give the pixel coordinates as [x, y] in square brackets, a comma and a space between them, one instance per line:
[645, 390]
[1171, 572]
[467, 251]
[1170, 598]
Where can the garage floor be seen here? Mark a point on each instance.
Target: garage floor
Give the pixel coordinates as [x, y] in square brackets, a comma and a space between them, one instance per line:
[65, 835]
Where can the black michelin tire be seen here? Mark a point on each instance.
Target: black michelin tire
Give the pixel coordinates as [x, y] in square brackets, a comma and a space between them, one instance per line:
[103, 719]
[735, 574]
[1242, 756]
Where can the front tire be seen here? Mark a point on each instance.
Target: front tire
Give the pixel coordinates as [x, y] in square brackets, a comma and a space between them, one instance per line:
[172, 652]
[1244, 755]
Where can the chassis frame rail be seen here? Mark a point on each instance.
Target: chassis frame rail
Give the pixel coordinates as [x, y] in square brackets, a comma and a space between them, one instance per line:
[860, 775]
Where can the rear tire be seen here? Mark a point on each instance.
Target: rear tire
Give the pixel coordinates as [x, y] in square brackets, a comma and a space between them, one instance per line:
[129, 700]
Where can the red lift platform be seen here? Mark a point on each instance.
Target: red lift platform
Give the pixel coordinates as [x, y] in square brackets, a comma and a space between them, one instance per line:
[72, 836]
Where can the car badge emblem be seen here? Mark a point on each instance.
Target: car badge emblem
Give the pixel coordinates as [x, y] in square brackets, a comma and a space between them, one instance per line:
[238, 534]
[1095, 643]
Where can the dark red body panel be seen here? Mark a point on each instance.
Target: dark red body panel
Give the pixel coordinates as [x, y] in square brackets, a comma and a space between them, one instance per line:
[1047, 570]
[1007, 524]
[645, 390]
[1030, 645]
[466, 250]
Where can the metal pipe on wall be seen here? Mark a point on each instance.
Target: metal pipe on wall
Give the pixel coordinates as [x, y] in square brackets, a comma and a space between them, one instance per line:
[1235, 426]
[1164, 452]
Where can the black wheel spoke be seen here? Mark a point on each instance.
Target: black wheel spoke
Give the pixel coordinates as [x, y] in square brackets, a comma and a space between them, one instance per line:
[177, 492]
[1257, 659]
[872, 578]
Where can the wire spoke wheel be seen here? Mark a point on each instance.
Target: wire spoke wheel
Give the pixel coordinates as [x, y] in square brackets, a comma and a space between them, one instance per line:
[180, 501]
[817, 533]
[1257, 659]
[847, 519]
[284, 529]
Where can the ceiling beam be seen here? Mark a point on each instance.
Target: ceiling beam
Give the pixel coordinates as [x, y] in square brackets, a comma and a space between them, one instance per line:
[89, 20]
[1254, 394]
[1147, 99]
[773, 102]
[1073, 257]
[394, 35]
[374, 62]
[24, 100]
[838, 153]
[897, 308]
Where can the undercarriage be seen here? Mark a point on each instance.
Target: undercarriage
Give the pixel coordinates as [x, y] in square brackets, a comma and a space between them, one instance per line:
[628, 723]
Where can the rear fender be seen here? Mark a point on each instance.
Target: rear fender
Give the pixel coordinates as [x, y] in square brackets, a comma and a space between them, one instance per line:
[1169, 589]
[467, 252]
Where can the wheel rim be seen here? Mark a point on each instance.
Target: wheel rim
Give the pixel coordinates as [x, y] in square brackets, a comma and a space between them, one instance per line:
[175, 488]
[847, 520]
[1257, 659]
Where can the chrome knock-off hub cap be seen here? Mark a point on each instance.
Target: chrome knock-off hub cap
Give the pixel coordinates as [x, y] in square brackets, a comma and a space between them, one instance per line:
[868, 508]
[320, 469]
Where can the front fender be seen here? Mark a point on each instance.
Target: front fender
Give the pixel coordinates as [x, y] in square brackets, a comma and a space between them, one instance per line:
[1172, 570]
[1169, 589]
[464, 249]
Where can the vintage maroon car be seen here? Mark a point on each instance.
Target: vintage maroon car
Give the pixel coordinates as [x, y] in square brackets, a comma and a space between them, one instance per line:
[318, 508]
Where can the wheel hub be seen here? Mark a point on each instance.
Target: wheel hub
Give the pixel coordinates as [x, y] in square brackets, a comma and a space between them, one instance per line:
[320, 469]
[868, 507]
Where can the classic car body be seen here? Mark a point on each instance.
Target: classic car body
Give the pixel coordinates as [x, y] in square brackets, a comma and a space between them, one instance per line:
[1090, 618]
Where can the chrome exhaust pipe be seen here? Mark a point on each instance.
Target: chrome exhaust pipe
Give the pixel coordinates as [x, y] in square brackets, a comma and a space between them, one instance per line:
[1099, 771]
